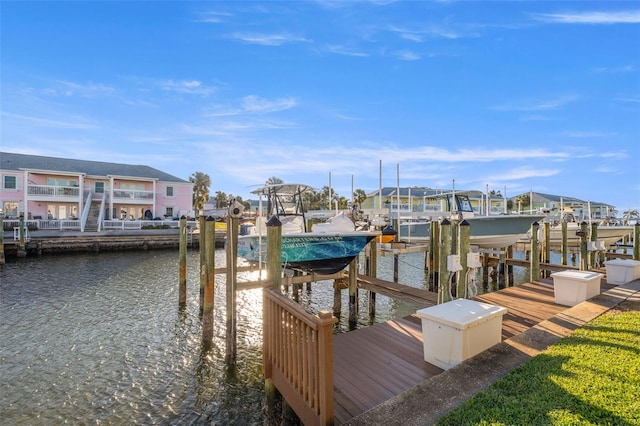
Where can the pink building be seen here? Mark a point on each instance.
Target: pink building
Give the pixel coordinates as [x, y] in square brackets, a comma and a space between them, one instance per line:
[86, 195]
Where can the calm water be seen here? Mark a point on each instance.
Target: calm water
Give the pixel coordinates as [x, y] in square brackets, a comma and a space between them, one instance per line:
[99, 339]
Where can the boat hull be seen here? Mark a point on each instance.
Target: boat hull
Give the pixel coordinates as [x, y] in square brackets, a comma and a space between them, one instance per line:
[310, 252]
[486, 232]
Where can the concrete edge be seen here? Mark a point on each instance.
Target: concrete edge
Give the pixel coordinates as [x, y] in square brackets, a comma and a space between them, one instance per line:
[426, 403]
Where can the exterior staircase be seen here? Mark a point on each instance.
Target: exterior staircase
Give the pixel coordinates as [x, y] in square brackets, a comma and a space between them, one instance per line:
[92, 218]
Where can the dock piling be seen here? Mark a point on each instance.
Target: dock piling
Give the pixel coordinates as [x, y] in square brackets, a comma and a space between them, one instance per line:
[534, 274]
[207, 233]
[182, 280]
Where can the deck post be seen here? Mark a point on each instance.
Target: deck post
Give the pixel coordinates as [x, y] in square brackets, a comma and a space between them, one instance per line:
[434, 256]
[464, 232]
[509, 267]
[546, 227]
[232, 262]
[2, 259]
[22, 251]
[636, 241]
[207, 233]
[584, 257]
[372, 271]
[445, 250]
[182, 280]
[594, 256]
[273, 397]
[564, 250]
[535, 253]
[202, 248]
[353, 292]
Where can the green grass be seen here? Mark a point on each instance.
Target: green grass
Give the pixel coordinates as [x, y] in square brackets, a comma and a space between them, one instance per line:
[589, 378]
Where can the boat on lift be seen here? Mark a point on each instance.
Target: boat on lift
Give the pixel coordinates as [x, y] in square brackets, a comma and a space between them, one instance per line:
[328, 248]
[487, 232]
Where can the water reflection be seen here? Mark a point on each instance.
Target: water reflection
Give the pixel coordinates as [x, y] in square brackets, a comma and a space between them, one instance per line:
[100, 338]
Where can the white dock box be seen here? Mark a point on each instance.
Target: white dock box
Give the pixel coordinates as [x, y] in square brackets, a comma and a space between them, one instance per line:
[572, 287]
[621, 271]
[457, 330]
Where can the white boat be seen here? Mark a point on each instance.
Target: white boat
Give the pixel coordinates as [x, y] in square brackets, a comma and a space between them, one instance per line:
[327, 249]
[494, 231]
[608, 234]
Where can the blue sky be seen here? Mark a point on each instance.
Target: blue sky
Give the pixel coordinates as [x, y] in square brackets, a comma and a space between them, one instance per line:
[536, 95]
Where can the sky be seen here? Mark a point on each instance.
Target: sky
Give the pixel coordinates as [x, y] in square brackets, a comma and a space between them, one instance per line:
[510, 96]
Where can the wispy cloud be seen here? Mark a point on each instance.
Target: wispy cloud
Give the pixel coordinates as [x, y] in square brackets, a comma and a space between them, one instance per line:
[620, 17]
[524, 172]
[583, 134]
[255, 104]
[212, 17]
[407, 55]
[79, 124]
[191, 87]
[267, 39]
[345, 50]
[69, 88]
[544, 105]
[616, 70]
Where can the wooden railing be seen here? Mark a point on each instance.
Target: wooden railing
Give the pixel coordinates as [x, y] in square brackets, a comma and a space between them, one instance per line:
[298, 357]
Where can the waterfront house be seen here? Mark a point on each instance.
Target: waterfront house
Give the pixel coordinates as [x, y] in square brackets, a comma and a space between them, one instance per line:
[559, 204]
[63, 193]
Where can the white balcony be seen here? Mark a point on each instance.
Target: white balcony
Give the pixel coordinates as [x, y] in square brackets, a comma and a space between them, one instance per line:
[48, 192]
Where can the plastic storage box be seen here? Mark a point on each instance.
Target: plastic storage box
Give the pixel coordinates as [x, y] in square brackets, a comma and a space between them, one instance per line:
[457, 330]
[621, 271]
[572, 287]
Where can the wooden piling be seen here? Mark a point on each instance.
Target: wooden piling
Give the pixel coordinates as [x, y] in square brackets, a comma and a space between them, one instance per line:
[372, 271]
[208, 234]
[273, 397]
[445, 250]
[546, 244]
[594, 256]
[182, 280]
[464, 232]
[353, 292]
[584, 257]
[565, 246]
[232, 262]
[22, 251]
[434, 255]
[534, 269]
[202, 248]
[2, 259]
[636, 241]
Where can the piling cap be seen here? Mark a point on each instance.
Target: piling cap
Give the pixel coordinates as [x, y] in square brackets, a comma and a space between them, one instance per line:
[464, 223]
[274, 221]
[445, 221]
[210, 219]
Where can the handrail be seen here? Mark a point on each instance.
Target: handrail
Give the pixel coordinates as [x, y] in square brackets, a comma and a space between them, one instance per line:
[85, 211]
[101, 213]
[298, 357]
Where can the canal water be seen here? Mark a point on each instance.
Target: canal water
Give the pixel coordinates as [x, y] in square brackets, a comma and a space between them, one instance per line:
[99, 339]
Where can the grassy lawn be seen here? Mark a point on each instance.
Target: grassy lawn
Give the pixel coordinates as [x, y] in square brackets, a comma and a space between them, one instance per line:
[589, 378]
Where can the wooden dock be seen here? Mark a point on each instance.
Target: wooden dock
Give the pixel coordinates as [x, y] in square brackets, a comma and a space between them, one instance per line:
[374, 364]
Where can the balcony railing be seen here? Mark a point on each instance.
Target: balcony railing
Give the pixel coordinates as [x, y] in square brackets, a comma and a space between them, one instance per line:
[132, 195]
[53, 191]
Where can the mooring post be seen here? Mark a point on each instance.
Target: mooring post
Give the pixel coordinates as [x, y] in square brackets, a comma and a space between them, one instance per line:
[353, 292]
[546, 227]
[434, 248]
[2, 259]
[464, 232]
[534, 268]
[273, 397]
[509, 267]
[182, 280]
[232, 262]
[208, 233]
[584, 254]
[636, 241]
[202, 248]
[594, 256]
[445, 250]
[373, 272]
[22, 251]
[565, 246]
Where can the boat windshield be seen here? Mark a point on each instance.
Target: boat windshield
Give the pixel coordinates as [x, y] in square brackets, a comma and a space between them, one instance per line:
[462, 203]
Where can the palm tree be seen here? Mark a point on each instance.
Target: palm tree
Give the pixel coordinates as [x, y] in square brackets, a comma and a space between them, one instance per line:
[273, 181]
[359, 196]
[221, 200]
[201, 183]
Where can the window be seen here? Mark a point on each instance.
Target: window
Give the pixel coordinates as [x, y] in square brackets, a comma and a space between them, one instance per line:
[169, 191]
[99, 187]
[9, 182]
[10, 209]
[169, 212]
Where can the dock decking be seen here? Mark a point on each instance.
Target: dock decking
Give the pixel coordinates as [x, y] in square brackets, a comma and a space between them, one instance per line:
[374, 364]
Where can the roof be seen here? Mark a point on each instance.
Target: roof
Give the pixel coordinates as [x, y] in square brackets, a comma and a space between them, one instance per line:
[18, 162]
[539, 197]
[419, 192]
